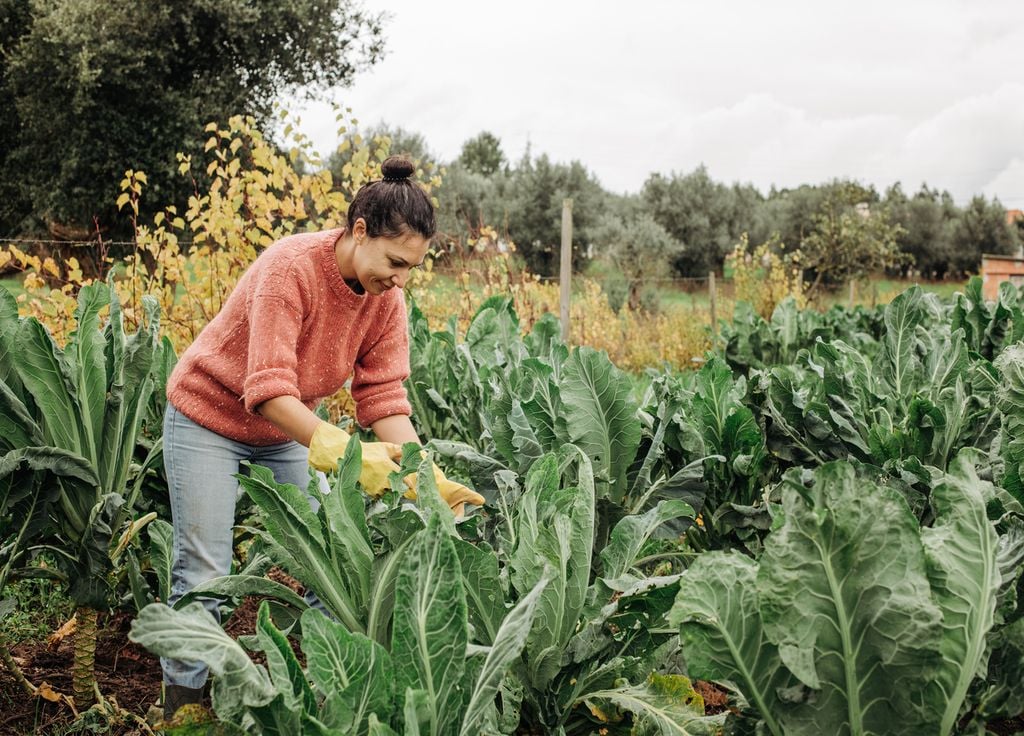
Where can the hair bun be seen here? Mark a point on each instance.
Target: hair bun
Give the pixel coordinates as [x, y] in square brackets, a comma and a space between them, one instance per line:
[397, 168]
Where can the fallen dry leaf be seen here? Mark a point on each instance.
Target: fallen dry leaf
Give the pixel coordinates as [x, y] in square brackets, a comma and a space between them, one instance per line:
[46, 692]
[64, 631]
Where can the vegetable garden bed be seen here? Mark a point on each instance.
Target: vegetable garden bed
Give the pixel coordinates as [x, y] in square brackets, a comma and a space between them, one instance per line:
[825, 521]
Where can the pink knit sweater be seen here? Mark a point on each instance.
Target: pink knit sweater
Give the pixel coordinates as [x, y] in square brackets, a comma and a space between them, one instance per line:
[292, 326]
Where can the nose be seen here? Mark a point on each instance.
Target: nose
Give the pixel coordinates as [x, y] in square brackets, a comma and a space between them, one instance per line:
[400, 278]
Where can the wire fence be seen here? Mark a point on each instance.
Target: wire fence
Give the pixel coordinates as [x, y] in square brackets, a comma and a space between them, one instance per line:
[664, 285]
[676, 291]
[69, 243]
[684, 283]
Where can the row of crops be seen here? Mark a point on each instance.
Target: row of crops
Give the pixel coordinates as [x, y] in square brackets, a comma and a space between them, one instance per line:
[825, 520]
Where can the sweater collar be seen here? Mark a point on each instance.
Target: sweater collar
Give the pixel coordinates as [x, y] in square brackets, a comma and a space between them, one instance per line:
[329, 267]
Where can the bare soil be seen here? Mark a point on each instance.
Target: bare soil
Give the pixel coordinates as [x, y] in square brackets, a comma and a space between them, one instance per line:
[124, 671]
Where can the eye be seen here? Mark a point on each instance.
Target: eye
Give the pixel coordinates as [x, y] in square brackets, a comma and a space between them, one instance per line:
[396, 264]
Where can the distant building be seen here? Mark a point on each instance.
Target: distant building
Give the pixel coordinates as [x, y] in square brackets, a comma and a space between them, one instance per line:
[1016, 217]
[995, 269]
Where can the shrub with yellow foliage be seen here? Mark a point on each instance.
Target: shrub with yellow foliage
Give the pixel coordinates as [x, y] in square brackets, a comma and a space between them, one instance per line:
[192, 260]
[765, 275]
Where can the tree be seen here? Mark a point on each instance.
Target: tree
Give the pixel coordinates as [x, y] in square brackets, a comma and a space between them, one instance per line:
[532, 204]
[467, 202]
[706, 217]
[848, 242]
[637, 247]
[482, 154]
[981, 228]
[98, 90]
[927, 220]
[791, 214]
[399, 142]
[15, 19]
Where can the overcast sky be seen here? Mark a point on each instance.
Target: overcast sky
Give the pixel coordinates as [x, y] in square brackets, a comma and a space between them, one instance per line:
[783, 92]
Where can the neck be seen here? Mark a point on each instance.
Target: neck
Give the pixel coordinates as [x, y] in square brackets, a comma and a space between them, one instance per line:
[344, 248]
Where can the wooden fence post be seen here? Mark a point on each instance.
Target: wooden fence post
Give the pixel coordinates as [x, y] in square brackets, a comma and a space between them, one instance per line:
[713, 296]
[565, 270]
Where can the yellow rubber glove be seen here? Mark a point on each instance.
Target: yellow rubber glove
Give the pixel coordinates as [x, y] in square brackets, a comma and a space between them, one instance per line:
[328, 444]
[454, 494]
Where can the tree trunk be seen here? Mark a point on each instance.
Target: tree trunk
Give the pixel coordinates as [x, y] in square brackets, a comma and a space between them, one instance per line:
[83, 669]
[634, 294]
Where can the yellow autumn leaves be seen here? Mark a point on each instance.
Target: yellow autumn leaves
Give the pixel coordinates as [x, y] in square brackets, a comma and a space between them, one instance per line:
[190, 261]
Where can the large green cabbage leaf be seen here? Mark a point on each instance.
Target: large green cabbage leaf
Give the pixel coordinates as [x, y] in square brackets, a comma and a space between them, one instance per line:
[854, 620]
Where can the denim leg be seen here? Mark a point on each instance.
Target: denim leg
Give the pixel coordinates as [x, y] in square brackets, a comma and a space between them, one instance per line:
[200, 465]
[289, 461]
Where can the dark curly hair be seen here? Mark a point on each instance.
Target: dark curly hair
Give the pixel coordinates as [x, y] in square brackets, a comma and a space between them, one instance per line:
[394, 205]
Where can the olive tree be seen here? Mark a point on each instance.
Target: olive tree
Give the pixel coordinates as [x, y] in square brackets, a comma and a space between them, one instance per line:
[637, 247]
[849, 240]
[95, 89]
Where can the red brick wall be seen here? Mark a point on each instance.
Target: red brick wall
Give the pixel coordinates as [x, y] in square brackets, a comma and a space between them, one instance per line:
[997, 269]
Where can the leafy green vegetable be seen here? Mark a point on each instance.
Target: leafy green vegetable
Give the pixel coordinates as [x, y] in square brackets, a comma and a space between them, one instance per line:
[431, 682]
[665, 704]
[854, 620]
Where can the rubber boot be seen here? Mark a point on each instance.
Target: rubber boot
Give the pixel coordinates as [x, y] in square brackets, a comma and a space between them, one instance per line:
[175, 696]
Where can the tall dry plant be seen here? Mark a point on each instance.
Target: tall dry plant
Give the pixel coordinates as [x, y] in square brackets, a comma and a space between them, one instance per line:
[190, 261]
[765, 275]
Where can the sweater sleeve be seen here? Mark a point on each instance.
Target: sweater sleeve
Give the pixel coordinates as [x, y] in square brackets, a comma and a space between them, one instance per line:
[379, 372]
[274, 326]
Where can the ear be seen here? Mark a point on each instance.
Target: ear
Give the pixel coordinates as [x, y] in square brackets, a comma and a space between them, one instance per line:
[359, 229]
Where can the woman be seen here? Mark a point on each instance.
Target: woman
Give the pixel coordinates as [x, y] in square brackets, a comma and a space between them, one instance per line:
[313, 310]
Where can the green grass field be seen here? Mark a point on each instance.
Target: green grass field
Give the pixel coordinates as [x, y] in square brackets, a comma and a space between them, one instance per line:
[876, 291]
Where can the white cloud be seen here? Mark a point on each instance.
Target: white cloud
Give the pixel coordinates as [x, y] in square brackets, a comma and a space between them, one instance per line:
[1008, 185]
[787, 92]
[970, 144]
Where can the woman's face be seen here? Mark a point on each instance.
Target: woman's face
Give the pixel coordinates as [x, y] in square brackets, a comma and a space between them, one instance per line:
[384, 263]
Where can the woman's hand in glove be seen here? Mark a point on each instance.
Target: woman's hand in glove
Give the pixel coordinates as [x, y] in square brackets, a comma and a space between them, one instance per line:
[380, 459]
[328, 445]
[454, 494]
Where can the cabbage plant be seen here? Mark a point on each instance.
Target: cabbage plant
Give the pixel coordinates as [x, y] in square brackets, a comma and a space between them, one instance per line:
[1010, 401]
[74, 413]
[571, 662]
[925, 395]
[855, 619]
[334, 551]
[988, 327]
[428, 680]
[501, 401]
[25, 496]
[751, 342]
[598, 643]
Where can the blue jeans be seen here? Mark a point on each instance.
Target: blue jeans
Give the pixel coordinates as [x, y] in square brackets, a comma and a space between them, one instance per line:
[200, 465]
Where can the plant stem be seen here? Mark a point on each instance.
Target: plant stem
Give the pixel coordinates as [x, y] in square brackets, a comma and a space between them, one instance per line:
[663, 556]
[83, 674]
[112, 710]
[12, 666]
